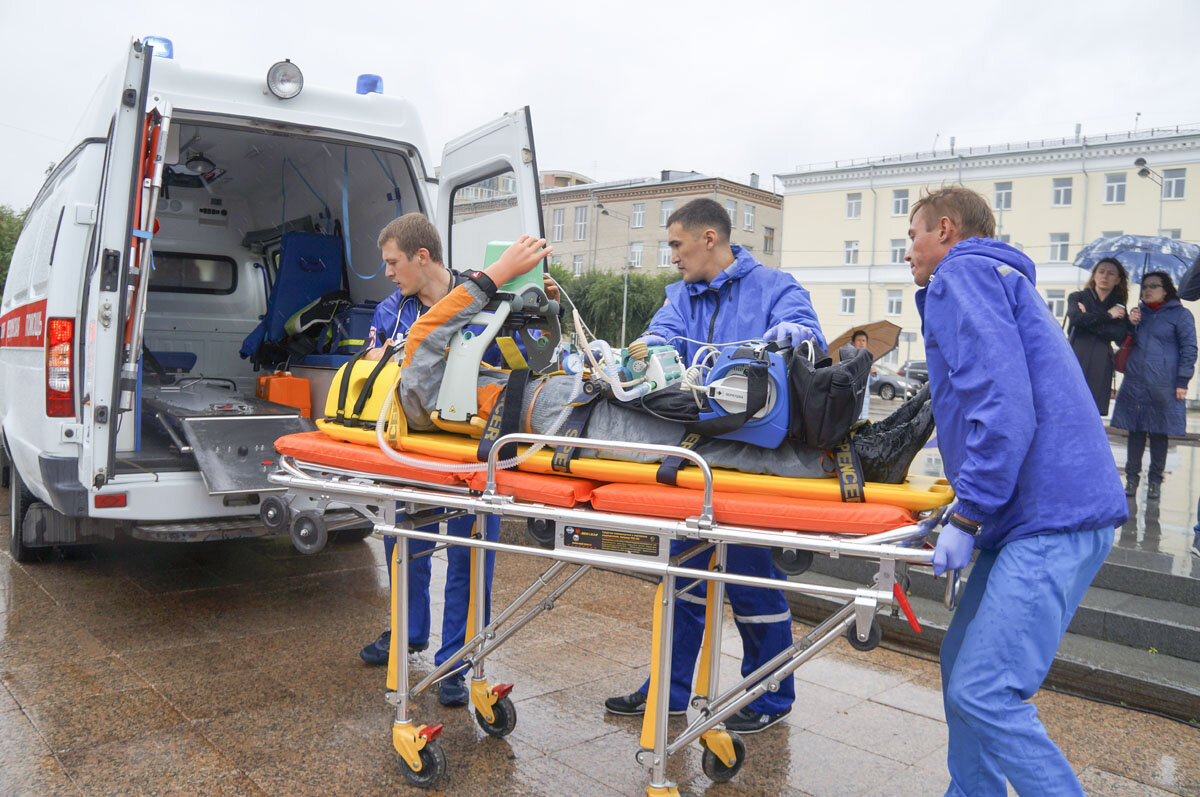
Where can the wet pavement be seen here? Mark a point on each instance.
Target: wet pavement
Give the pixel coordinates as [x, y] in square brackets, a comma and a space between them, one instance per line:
[232, 668]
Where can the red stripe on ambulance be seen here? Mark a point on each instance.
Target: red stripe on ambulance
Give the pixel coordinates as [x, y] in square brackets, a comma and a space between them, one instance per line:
[25, 326]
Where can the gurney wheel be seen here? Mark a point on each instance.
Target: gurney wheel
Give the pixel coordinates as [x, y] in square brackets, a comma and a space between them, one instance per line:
[874, 637]
[309, 534]
[274, 514]
[715, 768]
[791, 561]
[540, 531]
[433, 766]
[505, 714]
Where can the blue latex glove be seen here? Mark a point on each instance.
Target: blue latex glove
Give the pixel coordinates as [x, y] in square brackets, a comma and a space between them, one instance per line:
[788, 333]
[653, 340]
[953, 551]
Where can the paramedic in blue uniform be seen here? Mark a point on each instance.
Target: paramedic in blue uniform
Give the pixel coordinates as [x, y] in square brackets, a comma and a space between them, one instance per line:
[412, 254]
[1016, 425]
[726, 296]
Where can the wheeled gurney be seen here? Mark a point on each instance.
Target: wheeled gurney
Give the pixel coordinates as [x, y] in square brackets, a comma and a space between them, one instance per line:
[582, 523]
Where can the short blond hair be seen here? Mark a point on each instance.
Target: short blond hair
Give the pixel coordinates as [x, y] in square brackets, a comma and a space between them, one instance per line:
[969, 211]
[411, 232]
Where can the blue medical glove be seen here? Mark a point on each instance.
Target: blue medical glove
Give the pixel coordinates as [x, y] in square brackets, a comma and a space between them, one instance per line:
[953, 551]
[651, 339]
[788, 333]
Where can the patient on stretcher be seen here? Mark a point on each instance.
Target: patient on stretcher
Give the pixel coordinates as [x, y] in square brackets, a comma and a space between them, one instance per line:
[885, 448]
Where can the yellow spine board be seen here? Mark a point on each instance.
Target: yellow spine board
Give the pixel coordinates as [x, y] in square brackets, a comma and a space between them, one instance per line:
[358, 380]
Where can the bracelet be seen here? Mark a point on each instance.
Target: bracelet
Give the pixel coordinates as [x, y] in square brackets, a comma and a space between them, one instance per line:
[962, 524]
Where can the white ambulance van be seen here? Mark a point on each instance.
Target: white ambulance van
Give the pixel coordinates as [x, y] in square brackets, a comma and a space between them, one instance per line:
[192, 214]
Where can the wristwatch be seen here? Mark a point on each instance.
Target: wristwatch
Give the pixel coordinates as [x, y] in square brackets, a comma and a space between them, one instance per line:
[962, 524]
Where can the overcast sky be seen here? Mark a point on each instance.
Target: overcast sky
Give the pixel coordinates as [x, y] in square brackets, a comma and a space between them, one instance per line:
[626, 89]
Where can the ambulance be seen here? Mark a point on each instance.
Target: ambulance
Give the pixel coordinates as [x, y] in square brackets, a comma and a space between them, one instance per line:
[162, 267]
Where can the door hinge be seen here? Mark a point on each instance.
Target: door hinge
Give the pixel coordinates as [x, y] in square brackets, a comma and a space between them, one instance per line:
[101, 414]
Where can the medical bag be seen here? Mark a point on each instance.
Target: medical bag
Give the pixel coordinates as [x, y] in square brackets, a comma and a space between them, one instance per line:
[283, 388]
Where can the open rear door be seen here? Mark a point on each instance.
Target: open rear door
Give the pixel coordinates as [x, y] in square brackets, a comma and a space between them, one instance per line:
[488, 189]
[112, 275]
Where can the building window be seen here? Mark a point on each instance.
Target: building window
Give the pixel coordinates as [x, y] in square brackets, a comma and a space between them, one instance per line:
[1056, 300]
[1114, 188]
[639, 214]
[560, 217]
[635, 254]
[731, 209]
[748, 217]
[850, 255]
[1062, 192]
[895, 301]
[898, 247]
[854, 205]
[1174, 181]
[577, 266]
[664, 254]
[847, 306]
[891, 358]
[900, 202]
[665, 209]
[1002, 195]
[581, 223]
[1111, 234]
[1174, 233]
[1059, 247]
[768, 240]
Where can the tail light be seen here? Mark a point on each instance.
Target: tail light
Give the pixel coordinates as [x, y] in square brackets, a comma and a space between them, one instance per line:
[60, 367]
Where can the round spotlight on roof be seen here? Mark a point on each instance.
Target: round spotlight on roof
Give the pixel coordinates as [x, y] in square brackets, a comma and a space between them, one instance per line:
[284, 79]
[198, 164]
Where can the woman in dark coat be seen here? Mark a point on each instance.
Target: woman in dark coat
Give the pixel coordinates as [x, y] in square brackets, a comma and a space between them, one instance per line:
[1150, 401]
[1097, 316]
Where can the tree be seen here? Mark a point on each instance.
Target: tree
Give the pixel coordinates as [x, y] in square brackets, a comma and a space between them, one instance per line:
[10, 228]
[598, 296]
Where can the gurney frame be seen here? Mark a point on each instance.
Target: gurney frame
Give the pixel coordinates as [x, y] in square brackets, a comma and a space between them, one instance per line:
[397, 507]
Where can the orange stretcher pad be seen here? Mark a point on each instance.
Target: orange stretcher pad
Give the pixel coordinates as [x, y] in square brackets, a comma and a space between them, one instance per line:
[785, 513]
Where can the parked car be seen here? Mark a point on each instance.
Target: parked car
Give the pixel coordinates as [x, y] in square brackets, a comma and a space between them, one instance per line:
[915, 371]
[888, 384]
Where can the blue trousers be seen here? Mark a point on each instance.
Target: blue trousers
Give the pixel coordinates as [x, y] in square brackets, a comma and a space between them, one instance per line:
[458, 584]
[762, 617]
[1000, 644]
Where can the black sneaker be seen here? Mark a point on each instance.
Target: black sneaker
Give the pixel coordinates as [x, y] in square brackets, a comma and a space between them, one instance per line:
[453, 691]
[633, 704]
[750, 721]
[377, 652]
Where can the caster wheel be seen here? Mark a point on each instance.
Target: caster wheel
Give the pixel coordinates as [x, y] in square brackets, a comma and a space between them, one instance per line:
[874, 637]
[274, 514]
[540, 532]
[504, 718]
[309, 534]
[716, 769]
[791, 562]
[433, 766]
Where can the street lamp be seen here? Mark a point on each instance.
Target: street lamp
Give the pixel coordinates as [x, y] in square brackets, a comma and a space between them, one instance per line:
[1146, 171]
[625, 289]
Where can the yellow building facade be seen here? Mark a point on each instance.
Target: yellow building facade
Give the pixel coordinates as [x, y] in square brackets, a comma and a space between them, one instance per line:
[845, 225]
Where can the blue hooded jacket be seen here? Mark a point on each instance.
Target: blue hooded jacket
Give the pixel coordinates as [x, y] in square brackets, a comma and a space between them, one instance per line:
[741, 303]
[1017, 428]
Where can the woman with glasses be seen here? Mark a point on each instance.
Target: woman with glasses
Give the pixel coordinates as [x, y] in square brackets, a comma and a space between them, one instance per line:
[1098, 320]
[1150, 401]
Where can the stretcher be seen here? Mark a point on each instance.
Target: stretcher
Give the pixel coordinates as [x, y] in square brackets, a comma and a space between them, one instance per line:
[581, 523]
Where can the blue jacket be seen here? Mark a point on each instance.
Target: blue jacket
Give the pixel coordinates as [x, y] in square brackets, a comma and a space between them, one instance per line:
[741, 303]
[1016, 423]
[1163, 358]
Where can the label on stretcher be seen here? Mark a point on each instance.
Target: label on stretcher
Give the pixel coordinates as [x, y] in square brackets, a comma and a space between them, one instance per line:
[610, 541]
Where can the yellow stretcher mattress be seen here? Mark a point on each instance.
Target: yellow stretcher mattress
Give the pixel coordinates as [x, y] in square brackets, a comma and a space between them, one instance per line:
[917, 493]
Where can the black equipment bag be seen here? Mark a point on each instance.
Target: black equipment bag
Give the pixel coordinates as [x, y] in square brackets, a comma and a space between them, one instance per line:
[827, 397]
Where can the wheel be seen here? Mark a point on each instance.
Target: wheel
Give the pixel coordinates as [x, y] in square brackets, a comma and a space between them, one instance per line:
[274, 514]
[791, 562]
[309, 534]
[540, 532]
[505, 718]
[874, 636]
[715, 768]
[887, 392]
[433, 766]
[20, 499]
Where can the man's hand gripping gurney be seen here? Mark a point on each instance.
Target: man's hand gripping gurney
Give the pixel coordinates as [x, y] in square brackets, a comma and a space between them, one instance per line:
[739, 395]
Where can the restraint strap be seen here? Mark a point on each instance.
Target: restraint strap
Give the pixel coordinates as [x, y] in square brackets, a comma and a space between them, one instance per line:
[344, 387]
[756, 399]
[668, 471]
[369, 386]
[849, 471]
[572, 427]
[505, 417]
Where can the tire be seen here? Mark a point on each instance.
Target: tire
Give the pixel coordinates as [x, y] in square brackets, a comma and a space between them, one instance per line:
[309, 534]
[791, 561]
[505, 718]
[540, 532]
[887, 392]
[274, 514]
[715, 768]
[433, 766]
[20, 499]
[874, 637]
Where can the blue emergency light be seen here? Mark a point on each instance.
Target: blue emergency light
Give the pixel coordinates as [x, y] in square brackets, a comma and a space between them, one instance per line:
[163, 48]
[369, 84]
